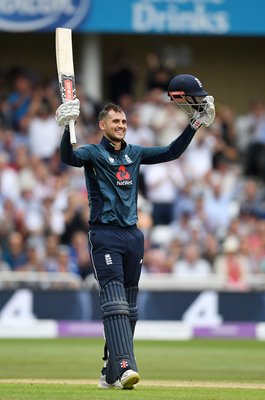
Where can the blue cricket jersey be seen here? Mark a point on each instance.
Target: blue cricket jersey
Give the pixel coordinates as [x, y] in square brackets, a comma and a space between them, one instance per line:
[112, 176]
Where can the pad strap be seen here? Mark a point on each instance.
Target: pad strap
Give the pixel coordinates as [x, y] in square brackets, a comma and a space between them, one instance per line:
[131, 295]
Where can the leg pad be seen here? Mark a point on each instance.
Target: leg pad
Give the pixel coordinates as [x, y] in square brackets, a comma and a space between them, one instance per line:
[115, 314]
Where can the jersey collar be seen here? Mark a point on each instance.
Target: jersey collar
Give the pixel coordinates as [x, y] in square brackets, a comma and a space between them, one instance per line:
[105, 142]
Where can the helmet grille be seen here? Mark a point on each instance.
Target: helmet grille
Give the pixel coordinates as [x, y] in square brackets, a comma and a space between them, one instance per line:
[188, 104]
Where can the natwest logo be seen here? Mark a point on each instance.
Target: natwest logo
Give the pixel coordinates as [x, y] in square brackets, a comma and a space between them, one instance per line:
[39, 15]
[122, 173]
[123, 176]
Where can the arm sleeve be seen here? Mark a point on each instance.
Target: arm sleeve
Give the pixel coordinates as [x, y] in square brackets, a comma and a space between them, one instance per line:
[76, 158]
[156, 155]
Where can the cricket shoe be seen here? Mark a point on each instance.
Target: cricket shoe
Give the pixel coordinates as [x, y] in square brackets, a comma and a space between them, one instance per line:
[129, 378]
[103, 384]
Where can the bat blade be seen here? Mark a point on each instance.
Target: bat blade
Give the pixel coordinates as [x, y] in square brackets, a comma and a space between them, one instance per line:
[65, 69]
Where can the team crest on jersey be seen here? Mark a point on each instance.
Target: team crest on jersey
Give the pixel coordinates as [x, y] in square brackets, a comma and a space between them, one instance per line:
[111, 160]
[123, 176]
[128, 159]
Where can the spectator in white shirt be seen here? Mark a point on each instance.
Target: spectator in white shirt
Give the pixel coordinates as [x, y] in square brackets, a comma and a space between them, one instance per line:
[137, 132]
[44, 133]
[162, 182]
[192, 265]
[197, 159]
[9, 181]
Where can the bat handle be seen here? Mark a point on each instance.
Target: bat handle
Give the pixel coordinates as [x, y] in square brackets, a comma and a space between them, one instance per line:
[72, 131]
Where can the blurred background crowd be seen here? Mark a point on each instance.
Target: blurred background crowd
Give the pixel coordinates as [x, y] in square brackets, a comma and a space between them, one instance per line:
[203, 215]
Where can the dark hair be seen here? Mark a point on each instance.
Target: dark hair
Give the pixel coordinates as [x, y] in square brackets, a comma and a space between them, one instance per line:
[107, 108]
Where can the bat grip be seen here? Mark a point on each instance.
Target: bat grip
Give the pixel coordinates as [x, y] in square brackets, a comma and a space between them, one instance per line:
[72, 131]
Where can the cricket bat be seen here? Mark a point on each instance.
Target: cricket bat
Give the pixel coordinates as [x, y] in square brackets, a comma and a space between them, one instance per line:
[65, 69]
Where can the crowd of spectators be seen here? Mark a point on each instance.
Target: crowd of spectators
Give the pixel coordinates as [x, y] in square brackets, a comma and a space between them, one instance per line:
[202, 215]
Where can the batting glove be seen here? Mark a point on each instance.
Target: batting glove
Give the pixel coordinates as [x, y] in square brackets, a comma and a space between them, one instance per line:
[67, 111]
[206, 116]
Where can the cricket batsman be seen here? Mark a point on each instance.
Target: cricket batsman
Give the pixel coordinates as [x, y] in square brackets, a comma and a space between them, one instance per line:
[116, 245]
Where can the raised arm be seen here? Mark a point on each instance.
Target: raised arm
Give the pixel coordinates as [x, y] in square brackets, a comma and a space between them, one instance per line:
[204, 116]
[77, 157]
[156, 155]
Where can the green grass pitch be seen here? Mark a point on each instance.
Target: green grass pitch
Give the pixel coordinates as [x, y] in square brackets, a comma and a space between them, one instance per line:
[190, 370]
